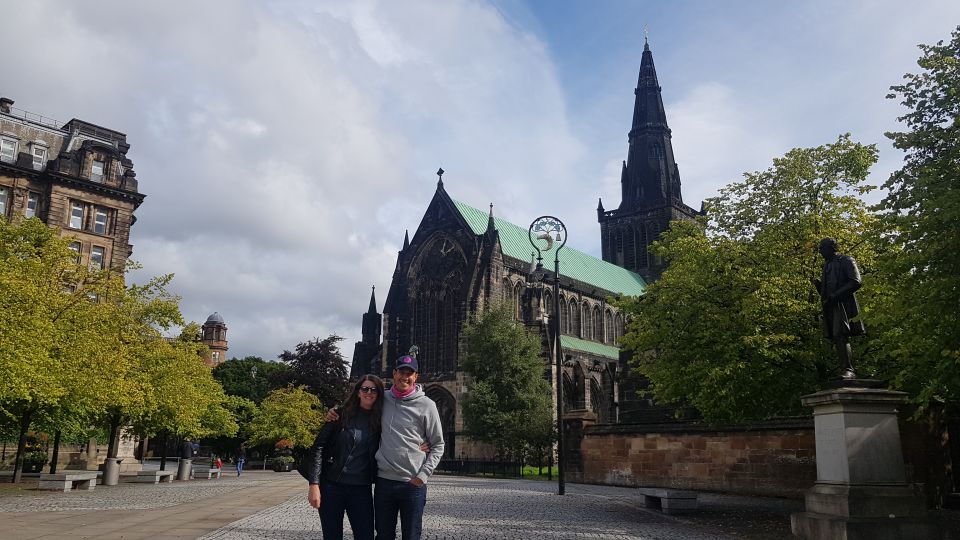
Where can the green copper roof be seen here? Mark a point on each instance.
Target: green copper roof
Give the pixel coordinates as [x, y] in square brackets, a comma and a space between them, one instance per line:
[599, 349]
[573, 263]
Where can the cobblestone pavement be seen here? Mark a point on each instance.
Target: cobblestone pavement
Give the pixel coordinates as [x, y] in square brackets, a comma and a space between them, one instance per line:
[470, 508]
[127, 496]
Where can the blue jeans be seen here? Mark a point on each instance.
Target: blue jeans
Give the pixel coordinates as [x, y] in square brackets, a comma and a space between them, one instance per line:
[240, 466]
[391, 498]
[356, 501]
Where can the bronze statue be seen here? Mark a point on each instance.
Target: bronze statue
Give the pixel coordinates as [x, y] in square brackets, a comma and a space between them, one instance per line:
[839, 280]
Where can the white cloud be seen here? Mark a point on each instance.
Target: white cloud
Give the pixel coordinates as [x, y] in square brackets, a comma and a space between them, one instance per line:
[710, 128]
[284, 148]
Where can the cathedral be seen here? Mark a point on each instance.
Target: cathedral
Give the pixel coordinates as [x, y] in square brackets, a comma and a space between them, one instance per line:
[461, 259]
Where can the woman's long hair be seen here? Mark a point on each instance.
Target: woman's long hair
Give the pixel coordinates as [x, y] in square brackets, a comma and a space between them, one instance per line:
[352, 407]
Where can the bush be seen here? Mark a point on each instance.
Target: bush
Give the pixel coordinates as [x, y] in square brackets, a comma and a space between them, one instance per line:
[35, 457]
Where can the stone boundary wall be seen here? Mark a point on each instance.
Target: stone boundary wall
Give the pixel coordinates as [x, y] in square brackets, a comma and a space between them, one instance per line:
[772, 458]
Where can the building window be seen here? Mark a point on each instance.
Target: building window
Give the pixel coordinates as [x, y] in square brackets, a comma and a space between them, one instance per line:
[100, 221]
[4, 196]
[39, 157]
[215, 356]
[76, 215]
[75, 246]
[96, 258]
[33, 201]
[8, 150]
[96, 173]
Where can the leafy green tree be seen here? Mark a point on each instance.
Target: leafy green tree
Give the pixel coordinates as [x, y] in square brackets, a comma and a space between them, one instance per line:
[508, 404]
[184, 398]
[251, 377]
[922, 210]
[243, 411]
[54, 355]
[732, 327]
[318, 365]
[293, 414]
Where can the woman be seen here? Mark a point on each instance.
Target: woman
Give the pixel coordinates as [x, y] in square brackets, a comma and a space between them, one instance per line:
[342, 463]
[241, 457]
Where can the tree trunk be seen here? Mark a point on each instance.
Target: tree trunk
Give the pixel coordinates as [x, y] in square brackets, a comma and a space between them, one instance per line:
[113, 445]
[56, 452]
[163, 452]
[21, 445]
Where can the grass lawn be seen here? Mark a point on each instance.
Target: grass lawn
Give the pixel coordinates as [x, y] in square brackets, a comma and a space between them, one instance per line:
[530, 473]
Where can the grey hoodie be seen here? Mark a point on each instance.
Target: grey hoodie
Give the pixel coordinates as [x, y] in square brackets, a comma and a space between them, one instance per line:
[406, 423]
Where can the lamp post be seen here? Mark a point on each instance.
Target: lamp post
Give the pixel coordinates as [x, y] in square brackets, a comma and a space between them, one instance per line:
[545, 233]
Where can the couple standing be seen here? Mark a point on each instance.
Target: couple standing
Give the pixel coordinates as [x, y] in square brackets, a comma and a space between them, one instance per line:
[376, 439]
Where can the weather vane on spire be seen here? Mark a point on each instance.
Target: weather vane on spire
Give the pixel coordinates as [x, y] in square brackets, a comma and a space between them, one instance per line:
[646, 34]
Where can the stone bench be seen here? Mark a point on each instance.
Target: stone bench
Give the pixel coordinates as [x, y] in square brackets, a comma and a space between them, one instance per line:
[154, 477]
[201, 470]
[669, 501]
[68, 480]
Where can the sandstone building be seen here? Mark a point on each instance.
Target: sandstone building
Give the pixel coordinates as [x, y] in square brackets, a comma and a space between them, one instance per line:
[461, 259]
[213, 334]
[74, 176]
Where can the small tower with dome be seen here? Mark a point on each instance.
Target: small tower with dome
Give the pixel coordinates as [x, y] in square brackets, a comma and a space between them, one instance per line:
[214, 336]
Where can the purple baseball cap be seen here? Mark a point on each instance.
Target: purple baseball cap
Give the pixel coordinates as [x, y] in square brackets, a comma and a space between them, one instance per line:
[407, 361]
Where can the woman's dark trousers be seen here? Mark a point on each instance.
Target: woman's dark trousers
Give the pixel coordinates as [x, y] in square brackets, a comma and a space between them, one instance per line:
[356, 501]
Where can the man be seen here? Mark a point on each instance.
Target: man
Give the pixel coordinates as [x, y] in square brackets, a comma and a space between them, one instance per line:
[840, 279]
[403, 468]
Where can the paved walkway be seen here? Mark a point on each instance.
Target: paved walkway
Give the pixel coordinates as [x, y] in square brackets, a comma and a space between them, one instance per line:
[271, 505]
[471, 508]
[132, 511]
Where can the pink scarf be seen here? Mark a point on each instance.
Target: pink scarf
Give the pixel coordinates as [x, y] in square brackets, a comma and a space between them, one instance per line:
[397, 394]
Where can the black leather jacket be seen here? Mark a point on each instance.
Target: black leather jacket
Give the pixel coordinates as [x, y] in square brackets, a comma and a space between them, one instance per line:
[324, 460]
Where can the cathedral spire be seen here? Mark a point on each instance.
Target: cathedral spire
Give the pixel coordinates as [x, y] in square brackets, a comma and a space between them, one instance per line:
[650, 183]
[490, 226]
[406, 239]
[650, 176]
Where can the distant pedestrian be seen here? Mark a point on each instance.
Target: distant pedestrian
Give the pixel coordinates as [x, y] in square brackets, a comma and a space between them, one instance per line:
[342, 464]
[186, 449]
[241, 457]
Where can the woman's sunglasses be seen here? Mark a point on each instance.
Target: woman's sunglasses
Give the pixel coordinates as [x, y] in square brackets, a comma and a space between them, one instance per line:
[368, 390]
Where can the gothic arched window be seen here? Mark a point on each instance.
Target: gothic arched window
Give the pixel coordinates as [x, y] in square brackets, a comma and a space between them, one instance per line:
[642, 242]
[436, 278]
[599, 402]
[629, 248]
[608, 327]
[587, 323]
[564, 317]
[575, 318]
[518, 301]
[597, 324]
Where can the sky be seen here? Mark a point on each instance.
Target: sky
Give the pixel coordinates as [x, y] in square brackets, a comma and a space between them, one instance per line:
[285, 147]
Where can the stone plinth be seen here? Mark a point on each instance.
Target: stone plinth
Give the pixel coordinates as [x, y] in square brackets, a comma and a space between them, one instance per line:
[861, 490]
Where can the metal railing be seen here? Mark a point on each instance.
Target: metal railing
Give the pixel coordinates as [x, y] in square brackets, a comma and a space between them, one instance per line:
[28, 116]
[480, 467]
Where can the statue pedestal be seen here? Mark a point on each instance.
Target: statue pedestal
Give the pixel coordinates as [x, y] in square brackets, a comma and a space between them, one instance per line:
[861, 490]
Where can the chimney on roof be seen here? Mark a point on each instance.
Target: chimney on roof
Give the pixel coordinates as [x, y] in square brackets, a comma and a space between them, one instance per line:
[5, 104]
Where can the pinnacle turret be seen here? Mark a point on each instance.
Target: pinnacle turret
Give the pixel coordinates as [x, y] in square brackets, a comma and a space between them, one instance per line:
[373, 300]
